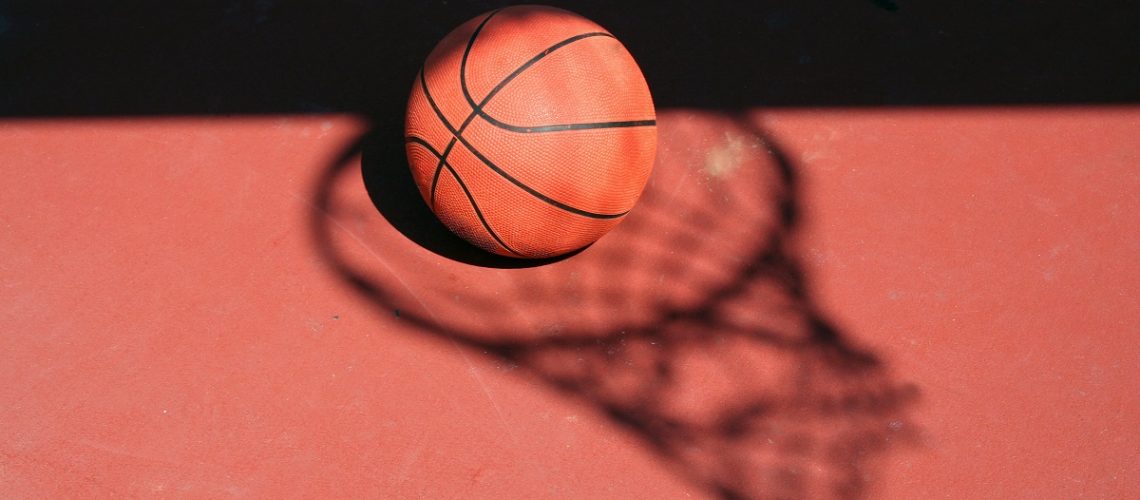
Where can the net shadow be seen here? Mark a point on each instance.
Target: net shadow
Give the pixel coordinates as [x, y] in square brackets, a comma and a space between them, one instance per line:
[690, 326]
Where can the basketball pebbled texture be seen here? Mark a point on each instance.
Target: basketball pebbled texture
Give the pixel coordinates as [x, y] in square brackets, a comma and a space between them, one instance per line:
[530, 131]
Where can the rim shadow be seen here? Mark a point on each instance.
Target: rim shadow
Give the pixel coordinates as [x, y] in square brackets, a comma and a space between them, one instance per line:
[691, 326]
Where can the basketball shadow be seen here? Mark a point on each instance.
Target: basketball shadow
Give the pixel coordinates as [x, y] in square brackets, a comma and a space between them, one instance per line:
[388, 180]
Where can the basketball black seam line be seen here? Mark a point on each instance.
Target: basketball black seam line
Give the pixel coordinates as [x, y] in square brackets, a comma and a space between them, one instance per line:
[463, 71]
[478, 108]
[439, 168]
[451, 143]
[478, 213]
[564, 127]
[470, 198]
[463, 186]
[533, 192]
[457, 133]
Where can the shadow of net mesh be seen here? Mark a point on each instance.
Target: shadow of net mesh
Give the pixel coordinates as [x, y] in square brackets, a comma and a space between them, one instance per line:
[690, 325]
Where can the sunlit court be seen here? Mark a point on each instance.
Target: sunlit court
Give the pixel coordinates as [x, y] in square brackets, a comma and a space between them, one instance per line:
[361, 250]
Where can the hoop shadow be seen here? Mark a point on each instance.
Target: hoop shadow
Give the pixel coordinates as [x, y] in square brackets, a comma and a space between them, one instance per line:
[679, 295]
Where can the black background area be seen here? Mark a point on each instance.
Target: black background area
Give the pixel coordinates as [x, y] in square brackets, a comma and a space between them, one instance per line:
[73, 58]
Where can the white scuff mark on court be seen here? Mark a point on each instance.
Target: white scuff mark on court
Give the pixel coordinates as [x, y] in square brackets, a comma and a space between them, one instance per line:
[410, 459]
[486, 390]
[726, 157]
[314, 325]
[812, 156]
[677, 188]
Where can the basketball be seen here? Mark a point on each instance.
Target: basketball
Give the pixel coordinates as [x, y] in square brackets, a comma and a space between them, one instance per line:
[530, 131]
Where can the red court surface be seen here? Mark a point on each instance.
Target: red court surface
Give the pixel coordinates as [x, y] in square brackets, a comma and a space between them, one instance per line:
[898, 303]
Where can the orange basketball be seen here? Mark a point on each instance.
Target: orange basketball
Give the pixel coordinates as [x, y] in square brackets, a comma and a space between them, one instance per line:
[530, 131]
